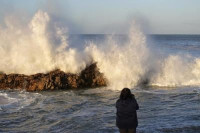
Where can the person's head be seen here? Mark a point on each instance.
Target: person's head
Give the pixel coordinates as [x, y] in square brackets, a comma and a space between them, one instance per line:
[125, 94]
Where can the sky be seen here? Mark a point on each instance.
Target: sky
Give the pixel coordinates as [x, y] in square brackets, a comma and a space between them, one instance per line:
[112, 16]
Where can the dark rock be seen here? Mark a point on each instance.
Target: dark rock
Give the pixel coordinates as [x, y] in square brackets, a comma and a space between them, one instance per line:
[91, 77]
[54, 80]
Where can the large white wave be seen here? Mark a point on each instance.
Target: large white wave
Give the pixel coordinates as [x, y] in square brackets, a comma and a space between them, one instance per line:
[136, 63]
[122, 64]
[42, 46]
[178, 70]
[37, 48]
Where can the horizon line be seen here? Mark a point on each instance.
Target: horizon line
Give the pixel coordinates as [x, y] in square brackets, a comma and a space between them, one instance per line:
[127, 34]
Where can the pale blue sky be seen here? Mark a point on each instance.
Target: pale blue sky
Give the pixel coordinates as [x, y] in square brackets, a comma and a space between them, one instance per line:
[114, 16]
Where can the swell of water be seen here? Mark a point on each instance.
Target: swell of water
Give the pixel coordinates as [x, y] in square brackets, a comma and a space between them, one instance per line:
[42, 46]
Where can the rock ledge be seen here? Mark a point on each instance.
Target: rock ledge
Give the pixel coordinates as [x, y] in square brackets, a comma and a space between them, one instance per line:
[54, 80]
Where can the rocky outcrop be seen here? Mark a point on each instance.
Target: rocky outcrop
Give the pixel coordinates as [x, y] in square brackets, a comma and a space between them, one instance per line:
[54, 80]
[91, 77]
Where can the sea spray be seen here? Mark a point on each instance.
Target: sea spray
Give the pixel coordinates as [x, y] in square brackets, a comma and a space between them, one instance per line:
[30, 50]
[122, 64]
[42, 45]
[136, 63]
[178, 70]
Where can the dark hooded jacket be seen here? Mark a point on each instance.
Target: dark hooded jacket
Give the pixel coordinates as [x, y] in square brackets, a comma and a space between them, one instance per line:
[126, 113]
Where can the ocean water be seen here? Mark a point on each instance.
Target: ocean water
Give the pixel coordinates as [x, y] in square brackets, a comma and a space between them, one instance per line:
[170, 102]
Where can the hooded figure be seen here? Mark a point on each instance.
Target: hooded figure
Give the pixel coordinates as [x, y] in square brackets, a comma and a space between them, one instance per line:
[126, 119]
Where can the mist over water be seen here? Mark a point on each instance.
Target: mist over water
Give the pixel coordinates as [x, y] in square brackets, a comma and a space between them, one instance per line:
[42, 45]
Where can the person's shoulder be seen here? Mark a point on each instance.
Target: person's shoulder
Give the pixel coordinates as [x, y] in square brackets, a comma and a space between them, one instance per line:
[133, 96]
[118, 100]
[133, 99]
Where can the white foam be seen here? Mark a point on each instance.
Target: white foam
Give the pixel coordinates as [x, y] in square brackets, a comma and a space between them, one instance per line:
[5, 99]
[177, 70]
[30, 50]
[122, 64]
[42, 46]
[16, 100]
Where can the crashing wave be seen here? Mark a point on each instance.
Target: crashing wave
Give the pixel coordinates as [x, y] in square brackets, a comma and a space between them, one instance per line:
[42, 46]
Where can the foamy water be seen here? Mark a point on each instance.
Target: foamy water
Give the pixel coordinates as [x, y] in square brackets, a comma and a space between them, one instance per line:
[42, 45]
[93, 110]
[170, 64]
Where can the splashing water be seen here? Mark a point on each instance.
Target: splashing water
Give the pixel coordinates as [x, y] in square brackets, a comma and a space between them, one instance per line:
[135, 63]
[30, 50]
[43, 46]
[178, 70]
[124, 64]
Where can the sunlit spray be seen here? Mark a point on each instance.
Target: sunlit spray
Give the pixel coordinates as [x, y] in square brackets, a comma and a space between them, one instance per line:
[42, 46]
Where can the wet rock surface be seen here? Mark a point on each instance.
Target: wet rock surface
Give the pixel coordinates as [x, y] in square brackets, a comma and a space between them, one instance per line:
[54, 80]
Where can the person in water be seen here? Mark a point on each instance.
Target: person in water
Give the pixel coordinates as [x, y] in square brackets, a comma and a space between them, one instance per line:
[126, 116]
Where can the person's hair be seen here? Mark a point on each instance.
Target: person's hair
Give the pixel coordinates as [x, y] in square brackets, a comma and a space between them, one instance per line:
[125, 94]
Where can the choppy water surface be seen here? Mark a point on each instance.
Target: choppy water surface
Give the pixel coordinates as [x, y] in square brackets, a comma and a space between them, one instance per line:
[162, 110]
[171, 110]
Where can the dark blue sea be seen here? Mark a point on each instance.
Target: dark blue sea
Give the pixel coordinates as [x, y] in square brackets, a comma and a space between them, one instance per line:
[169, 103]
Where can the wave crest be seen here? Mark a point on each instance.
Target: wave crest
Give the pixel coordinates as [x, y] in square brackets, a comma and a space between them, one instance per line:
[42, 46]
